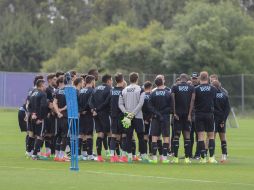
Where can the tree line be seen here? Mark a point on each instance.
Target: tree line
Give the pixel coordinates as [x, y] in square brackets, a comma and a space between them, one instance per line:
[149, 36]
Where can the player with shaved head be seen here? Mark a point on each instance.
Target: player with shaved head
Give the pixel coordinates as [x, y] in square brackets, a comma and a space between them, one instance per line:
[204, 120]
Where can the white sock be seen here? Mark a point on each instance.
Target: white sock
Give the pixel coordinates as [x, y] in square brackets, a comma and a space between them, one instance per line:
[143, 156]
[154, 157]
[48, 150]
[56, 153]
[61, 154]
[129, 155]
[112, 152]
[84, 153]
[123, 153]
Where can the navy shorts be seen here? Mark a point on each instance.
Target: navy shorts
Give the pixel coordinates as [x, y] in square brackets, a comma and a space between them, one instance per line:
[204, 122]
[160, 127]
[182, 124]
[102, 123]
[86, 125]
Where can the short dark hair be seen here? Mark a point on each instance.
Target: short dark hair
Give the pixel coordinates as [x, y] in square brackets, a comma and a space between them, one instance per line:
[37, 77]
[105, 78]
[39, 82]
[89, 79]
[59, 73]
[119, 77]
[73, 73]
[51, 76]
[94, 72]
[147, 85]
[158, 82]
[77, 81]
[83, 76]
[184, 76]
[60, 80]
[133, 77]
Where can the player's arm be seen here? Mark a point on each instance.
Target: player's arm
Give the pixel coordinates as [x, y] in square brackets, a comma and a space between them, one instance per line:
[56, 108]
[106, 102]
[191, 105]
[140, 103]
[151, 107]
[167, 104]
[174, 106]
[121, 103]
[227, 108]
[43, 106]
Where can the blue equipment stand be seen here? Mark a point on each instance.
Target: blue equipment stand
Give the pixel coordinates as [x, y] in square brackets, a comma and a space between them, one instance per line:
[73, 124]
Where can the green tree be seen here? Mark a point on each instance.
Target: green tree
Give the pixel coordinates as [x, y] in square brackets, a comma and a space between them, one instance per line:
[205, 37]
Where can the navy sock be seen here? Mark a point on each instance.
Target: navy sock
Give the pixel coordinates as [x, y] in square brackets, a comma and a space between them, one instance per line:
[99, 145]
[165, 149]
[175, 147]
[211, 147]
[224, 147]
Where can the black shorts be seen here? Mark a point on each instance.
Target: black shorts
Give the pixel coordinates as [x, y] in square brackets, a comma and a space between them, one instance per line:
[22, 122]
[159, 128]
[50, 125]
[218, 128]
[182, 124]
[37, 129]
[62, 127]
[117, 126]
[137, 125]
[147, 128]
[86, 125]
[102, 123]
[204, 122]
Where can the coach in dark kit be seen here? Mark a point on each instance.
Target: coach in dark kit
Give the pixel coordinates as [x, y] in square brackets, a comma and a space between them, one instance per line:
[183, 96]
[204, 119]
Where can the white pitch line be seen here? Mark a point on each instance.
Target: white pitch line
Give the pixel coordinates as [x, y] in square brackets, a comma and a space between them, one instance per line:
[134, 175]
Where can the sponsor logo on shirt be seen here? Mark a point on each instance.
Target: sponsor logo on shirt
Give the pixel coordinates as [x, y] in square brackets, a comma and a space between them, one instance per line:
[101, 87]
[183, 88]
[205, 88]
[219, 95]
[83, 91]
[160, 93]
[130, 89]
[116, 93]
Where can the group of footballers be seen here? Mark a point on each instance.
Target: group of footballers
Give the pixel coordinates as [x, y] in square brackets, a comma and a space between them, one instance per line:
[196, 106]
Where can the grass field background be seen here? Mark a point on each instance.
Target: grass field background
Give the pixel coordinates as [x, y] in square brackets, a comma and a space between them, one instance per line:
[17, 172]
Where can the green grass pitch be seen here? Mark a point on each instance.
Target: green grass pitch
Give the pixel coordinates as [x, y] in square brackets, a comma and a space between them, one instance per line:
[17, 172]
